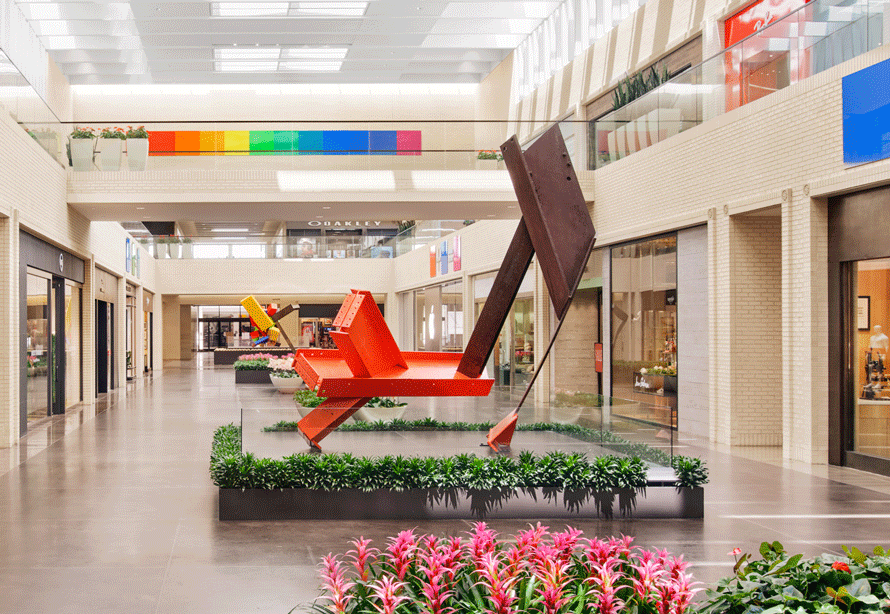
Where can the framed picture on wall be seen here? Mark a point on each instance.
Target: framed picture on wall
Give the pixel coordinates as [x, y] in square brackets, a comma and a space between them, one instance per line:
[863, 313]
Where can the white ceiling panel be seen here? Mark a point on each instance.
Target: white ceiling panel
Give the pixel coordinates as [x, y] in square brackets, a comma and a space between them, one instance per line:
[385, 41]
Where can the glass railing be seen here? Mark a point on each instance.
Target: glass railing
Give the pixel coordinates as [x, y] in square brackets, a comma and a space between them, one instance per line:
[23, 104]
[814, 38]
[306, 248]
[268, 421]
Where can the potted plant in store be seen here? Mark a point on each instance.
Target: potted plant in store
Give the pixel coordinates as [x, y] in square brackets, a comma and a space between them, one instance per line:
[111, 147]
[137, 148]
[283, 375]
[82, 145]
[490, 159]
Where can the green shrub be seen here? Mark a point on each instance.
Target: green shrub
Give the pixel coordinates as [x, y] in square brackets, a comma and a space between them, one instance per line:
[251, 365]
[690, 471]
[779, 583]
[229, 468]
[308, 398]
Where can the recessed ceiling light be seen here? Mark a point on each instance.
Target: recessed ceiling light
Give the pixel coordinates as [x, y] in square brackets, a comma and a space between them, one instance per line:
[228, 230]
[491, 215]
[140, 208]
[319, 216]
[274, 58]
[325, 207]
[339, 8]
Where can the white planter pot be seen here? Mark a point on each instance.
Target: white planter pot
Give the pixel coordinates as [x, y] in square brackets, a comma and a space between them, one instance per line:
[137, 154]
[379, 414]
[286, 385]
[161, 250]
[82, 154]
[188, 250]
[110, 152]
[175, 249]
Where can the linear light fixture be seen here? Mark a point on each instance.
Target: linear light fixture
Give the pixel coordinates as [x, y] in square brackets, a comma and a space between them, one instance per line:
[278, 59]
[288, 9]
[228, 230]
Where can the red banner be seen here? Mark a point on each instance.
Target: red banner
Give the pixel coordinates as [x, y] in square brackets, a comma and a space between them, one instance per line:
[598, 356]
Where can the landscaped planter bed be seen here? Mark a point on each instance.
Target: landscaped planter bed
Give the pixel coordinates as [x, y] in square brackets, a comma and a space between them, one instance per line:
[655, 501]
[346, 486]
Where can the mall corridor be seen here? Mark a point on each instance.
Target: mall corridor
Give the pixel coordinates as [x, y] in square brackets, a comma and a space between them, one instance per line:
[118, 514]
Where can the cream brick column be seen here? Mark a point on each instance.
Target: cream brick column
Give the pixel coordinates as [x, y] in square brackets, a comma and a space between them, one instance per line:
[10, 356]
[120, 333]
[720, 397]
[88, 337]
[157, 344]
[139, 335]
[805, 327]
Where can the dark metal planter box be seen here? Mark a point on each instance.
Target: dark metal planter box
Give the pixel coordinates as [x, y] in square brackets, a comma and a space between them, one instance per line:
[654, 501]
[252, 377]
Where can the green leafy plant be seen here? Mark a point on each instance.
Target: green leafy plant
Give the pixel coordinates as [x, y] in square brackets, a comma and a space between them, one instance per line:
[308, 398]
[112, 133]
[229, 468]
[251, 365]
[384, 402]
[82, 133]
[490, 154]
[136, 133]
[691, 472]
[637, 85]
[285, 374]
[779, 582]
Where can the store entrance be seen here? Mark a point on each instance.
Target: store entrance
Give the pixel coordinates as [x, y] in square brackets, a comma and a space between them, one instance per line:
[104, 347]
[45, 343]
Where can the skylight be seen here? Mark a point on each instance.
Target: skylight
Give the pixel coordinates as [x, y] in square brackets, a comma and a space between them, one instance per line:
[288, 9]
[278, 59]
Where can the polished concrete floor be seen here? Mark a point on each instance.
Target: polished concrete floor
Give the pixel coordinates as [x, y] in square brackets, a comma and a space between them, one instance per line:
[111, 509]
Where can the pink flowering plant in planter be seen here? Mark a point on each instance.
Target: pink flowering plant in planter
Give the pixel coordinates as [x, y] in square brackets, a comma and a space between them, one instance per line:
[536, 571]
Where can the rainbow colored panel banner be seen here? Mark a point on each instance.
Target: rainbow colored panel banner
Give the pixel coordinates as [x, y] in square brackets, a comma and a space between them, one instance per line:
[285, 143]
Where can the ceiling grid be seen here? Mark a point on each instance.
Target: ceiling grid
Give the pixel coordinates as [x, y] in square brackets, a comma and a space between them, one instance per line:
[313, 41]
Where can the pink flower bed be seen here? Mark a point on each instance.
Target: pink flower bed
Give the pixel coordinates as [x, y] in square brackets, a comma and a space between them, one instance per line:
[257, 357]
[534, 571]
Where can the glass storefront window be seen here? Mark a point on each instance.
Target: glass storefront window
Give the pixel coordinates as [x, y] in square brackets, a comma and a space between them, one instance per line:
[438, 317]
[644, 325]
[512, 361]
[38, 341]
[871, 408]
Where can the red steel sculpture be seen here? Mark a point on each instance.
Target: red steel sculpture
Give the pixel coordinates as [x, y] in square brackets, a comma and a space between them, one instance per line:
[555, 225]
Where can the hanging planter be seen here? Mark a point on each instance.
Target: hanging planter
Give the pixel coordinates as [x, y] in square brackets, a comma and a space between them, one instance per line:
[111, 148]
[137, 148]
[82, 145]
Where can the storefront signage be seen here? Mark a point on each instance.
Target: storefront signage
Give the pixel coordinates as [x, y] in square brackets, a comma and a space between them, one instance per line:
[127, 255]
[444, 258]
[866, 100]
[347, 224]
[755, 16]
[433, 268]
[598, 356]
[456, 254]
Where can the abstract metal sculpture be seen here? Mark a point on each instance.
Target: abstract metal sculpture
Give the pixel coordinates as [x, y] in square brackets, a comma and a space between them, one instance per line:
[555, 225]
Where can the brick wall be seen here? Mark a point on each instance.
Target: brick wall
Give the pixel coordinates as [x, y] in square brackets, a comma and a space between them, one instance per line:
[755, 330]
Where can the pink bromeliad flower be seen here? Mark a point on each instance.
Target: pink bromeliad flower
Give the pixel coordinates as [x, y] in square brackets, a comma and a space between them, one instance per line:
[385, 590]
[566, 542]
[362, 556]
[435, 593]
[334, 582]
[675, 594]
[649, 572]
[605, 589]
[529, 540]
[401, 552]
[498, 582]
[553, 576]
